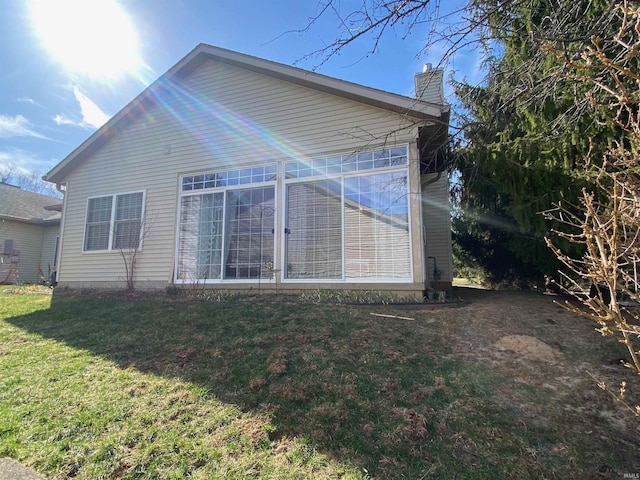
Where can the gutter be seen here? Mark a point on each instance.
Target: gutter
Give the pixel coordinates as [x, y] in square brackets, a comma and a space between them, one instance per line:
[31, 221]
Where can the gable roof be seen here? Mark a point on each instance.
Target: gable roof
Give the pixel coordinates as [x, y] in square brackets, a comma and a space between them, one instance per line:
[203, 52]
[20, 205]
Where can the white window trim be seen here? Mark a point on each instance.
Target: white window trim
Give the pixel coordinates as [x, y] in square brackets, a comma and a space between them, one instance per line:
[114, 197]
[239, 168]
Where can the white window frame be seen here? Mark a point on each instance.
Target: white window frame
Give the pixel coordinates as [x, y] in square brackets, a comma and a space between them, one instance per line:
[341, 177]
[112, 222]
[224, 189]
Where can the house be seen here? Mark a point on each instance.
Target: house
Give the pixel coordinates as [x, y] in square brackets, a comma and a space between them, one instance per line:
[232, 171]
[29, 230]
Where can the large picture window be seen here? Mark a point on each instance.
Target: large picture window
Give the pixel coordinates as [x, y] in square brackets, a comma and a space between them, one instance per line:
[353, 225]
[114, 222]
[227, 233]
[345, 218]
[376, 226]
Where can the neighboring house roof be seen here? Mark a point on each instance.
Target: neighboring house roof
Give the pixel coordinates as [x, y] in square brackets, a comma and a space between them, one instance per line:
[23, 206]
[371, 96]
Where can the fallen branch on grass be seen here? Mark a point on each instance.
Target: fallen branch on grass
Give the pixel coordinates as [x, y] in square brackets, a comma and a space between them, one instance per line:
[391, 316]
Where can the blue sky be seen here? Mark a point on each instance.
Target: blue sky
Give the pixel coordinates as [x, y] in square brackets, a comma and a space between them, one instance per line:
[50, 103]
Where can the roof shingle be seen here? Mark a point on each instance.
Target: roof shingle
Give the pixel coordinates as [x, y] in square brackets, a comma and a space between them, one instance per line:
[19, 204]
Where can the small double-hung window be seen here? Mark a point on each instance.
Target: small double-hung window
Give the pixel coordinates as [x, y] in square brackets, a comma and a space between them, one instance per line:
[114, 222]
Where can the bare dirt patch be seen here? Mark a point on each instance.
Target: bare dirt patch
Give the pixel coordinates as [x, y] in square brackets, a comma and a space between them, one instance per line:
[529, 348]
[544, 356]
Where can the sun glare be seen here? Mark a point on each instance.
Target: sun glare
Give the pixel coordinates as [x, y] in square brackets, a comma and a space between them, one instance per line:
[92, 37]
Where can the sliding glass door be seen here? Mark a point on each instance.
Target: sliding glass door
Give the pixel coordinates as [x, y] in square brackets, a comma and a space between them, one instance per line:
[226, 235]
[249, 232]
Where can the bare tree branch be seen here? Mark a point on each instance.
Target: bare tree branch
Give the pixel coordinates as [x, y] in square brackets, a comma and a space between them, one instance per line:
[608, 225]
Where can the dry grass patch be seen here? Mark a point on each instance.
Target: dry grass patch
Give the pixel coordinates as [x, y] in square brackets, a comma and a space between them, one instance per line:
[101, 387]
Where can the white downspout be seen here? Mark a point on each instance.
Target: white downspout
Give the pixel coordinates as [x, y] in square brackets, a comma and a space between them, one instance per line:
[62, 188]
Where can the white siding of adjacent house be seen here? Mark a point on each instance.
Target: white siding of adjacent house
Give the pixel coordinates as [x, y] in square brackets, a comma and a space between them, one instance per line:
[437, 224]
[27, 242]
[227, 117]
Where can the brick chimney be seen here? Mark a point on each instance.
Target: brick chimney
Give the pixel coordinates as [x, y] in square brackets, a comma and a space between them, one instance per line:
[429, 85]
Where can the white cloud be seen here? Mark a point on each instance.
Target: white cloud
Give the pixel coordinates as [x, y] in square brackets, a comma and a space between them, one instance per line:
[23, 161]
[62, 119]
[91, 113]
[30, 101]
[17, 126]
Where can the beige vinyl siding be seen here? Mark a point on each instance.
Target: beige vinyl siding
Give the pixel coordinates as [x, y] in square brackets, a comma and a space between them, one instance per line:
[437, 223]
[226, 117]
[27, 240]
[429, 87]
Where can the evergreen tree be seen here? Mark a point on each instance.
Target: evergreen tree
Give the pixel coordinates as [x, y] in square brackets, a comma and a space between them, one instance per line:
[527, 132]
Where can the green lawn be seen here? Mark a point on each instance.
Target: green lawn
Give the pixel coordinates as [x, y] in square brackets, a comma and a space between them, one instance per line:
[158, 387]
